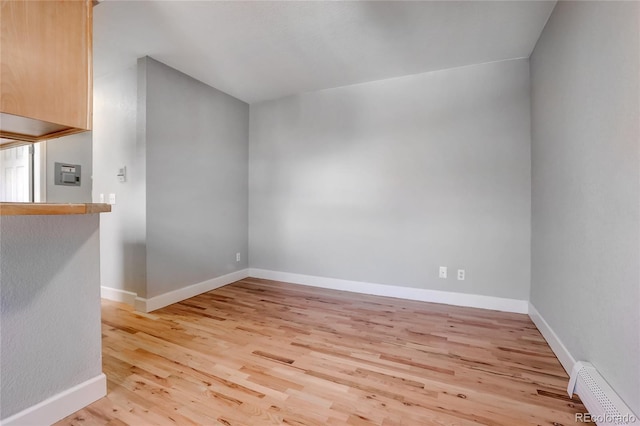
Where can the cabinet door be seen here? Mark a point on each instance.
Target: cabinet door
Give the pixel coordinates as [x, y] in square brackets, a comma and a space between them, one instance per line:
[46, 67]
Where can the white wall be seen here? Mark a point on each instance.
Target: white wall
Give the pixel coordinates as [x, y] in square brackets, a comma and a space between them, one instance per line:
[383, 182]
[196, 154]
[49, 307]
[116, 144]
[74, 149]
[586, 186]
[181, 216]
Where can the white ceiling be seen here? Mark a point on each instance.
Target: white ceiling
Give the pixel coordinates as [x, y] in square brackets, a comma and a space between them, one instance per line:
[267, 49]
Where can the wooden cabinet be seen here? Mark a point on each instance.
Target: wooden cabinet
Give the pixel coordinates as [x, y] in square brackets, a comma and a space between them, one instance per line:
[46, 69]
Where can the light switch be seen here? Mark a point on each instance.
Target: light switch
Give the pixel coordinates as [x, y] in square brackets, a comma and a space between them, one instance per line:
[122, 174]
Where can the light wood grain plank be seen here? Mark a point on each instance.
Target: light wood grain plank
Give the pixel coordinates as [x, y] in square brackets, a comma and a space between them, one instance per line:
[260, 352]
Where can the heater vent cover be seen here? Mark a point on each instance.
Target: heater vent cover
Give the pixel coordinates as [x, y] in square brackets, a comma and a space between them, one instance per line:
[604, 405]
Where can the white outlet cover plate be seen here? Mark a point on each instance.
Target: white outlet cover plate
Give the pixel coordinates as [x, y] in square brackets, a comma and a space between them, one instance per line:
[443, 272]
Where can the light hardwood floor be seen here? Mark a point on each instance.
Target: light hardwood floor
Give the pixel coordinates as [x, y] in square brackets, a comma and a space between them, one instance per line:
[260, 352]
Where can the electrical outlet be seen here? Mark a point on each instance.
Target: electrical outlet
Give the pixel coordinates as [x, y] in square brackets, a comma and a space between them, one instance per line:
[461, 274]
[237, 257]
[102, 198]
[112, 198]
[443, 272]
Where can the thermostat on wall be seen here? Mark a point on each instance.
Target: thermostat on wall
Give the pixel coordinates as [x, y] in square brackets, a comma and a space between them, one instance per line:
[67, 174]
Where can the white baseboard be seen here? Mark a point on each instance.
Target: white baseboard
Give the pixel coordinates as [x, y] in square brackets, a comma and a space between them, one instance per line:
[61, 405]
[118, 295]
[421, 294]
[166, 299]
[558, 348]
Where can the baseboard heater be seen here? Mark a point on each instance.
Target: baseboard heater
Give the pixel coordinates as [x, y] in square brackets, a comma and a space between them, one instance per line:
[604, 405]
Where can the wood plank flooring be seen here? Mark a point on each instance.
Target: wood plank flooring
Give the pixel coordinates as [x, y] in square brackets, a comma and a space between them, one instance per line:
[260, 352]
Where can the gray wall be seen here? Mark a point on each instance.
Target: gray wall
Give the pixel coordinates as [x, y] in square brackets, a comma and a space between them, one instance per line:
[74, 149]
[586, 186]
[196, 179]
[122, 243]
[383, 182]
[49, 307]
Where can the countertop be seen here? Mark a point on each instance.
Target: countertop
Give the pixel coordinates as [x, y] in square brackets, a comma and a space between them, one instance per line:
[23, 209]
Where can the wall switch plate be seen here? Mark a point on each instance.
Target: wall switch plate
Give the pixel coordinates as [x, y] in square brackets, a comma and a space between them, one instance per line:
[102, 198]
[122, 174]
[461, 274]
[443, 272]
[112, 198]
[237, 257]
